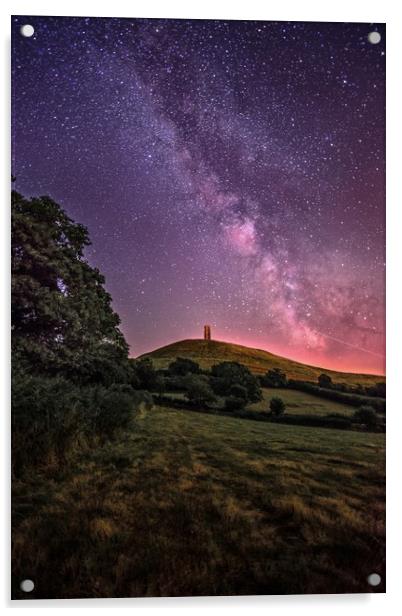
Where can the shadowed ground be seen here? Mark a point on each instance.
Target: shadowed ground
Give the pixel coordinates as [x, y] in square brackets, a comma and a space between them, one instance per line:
[195, 504]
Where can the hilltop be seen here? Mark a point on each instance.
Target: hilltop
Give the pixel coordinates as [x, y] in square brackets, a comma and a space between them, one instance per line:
[209, 352]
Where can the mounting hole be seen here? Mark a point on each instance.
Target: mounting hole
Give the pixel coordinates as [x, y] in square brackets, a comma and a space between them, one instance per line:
[374, 38]
[374, 579]
[27, 30]
[27, 585]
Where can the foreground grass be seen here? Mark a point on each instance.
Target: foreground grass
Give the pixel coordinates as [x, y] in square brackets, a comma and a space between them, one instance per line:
[195, 504]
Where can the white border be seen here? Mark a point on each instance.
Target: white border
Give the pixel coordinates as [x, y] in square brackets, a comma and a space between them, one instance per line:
[292, 10]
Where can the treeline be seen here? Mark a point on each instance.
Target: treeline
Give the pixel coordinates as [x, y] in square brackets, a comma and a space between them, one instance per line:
[352, 399]
[230, 387]
[340, 422]
[353, 395]
[230, 381]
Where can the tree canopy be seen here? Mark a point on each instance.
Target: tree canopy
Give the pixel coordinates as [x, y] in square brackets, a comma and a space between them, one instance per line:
[275, 378]
[62, 318]
[183, 365]
[228, 373]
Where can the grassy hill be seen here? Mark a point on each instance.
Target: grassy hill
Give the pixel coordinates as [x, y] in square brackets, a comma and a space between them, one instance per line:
[192, 504]
[209, 352]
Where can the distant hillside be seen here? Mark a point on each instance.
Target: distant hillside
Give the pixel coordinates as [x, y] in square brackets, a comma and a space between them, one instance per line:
[209, 352]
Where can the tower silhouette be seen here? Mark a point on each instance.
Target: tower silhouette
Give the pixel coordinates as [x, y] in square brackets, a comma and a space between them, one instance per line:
[207, 332]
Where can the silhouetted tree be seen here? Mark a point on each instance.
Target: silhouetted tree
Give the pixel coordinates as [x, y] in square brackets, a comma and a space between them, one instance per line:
[324, 380]
[367, 416]
[377, 390]
[277, 406]
[182, 366]
[275, 378]
[238, 391]
[234, 403]
[147, 376]
[198, 390]
[62, 318]
[227, 374]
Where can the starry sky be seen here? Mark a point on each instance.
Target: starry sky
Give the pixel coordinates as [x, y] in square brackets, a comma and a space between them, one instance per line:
[229, 172]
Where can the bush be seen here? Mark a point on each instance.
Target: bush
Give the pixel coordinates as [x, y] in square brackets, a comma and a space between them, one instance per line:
[367, 416]
[274, 378]
[46, 419]
[340, 423]
[114, 409]
[146, 375]
[182, 366]
[277, 406]
[143, 399]
[51, 416]
[378, 390]
[325, 381]
[198, 390]
[234, 403]
[227, 374]
[238, 391]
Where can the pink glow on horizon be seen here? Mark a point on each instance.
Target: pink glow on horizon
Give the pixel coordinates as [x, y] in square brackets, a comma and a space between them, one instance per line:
[310, 357]
[349, 364]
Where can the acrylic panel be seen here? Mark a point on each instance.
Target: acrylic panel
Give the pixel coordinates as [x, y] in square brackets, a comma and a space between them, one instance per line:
[198, 307]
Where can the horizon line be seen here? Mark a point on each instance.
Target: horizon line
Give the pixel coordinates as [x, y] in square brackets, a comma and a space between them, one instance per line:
[264, 351]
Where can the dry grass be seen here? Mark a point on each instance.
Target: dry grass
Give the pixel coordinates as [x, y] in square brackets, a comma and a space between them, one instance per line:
[195, 504]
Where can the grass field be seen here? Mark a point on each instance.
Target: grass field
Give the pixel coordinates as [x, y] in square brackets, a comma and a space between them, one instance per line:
[302, 403]
[297, 402]
[194, 504]
[209, 352]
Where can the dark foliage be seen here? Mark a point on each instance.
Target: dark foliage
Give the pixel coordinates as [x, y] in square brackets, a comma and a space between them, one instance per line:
[329, 421]
[367, 416]
[72, 382]
[274, 378]
[112, 410]
[228, 374]
[182, 366]
[174, 383]
[198, 390]
[378, 390]
[234, 403]
[277, 406]
[62, 319]
[238, 391]
[355, 400]
[147, 376]
[325, 381]
[51, 416]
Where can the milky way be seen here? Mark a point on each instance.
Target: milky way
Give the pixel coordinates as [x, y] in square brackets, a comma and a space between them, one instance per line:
[229, 173]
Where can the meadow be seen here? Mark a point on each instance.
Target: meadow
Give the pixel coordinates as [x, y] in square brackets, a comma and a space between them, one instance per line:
[297, 402]
[186, 503]
[301, 403]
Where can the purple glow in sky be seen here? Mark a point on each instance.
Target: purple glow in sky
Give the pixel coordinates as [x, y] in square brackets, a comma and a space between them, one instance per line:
[230, 173]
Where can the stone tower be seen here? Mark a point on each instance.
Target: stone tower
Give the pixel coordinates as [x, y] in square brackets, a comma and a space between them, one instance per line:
[207, 332]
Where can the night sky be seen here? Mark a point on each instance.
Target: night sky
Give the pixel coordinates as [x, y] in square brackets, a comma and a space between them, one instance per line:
[230, 173]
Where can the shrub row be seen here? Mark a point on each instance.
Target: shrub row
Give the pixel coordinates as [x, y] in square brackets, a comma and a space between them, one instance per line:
[327, 421]
[354, 400]
[52, 416]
